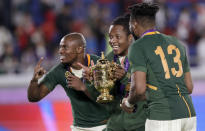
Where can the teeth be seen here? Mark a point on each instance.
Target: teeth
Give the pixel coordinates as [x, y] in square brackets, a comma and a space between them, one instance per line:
[62, 57]
[115, 47]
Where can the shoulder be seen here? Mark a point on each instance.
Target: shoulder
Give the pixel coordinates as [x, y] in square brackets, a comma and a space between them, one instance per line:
[177, 42]
[142, 41]
[170, 38]
[136, 44]
[57, 68]
[54, 71]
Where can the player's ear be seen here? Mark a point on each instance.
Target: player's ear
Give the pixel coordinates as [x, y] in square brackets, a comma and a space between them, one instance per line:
[130, 38]
[79, 49]
[135, 23]
[135, 26]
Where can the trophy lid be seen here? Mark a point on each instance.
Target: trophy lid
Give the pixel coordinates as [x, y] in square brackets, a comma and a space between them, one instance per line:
[102, 55]
[102, 60]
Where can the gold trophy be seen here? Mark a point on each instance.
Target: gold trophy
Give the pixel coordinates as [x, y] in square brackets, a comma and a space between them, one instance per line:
[103, 78]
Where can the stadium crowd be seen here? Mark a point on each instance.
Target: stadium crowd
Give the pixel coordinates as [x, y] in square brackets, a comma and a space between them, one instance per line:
[32, 29]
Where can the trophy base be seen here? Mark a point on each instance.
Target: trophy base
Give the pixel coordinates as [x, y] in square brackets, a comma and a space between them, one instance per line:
[102, 99]
[105, 97]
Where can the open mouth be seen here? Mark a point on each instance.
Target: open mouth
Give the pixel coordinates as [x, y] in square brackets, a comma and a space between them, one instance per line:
[62, 57]
[116, 47]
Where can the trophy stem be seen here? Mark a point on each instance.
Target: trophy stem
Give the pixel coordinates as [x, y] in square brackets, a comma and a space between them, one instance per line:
[105, 96]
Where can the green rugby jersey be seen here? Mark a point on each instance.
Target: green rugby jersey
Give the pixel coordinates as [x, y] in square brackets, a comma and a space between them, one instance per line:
[86, 112]
[119, 119]
[164, 60]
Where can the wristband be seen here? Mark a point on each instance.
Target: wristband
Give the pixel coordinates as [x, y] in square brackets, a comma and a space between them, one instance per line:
[128, 104]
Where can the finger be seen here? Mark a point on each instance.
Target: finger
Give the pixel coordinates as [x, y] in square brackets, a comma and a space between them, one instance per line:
[90, 78]
[122, 65]
[86, 76]
[128, 110]
[119, 66]
[85, 73]
[38, 71]
[40, 61]
[120, 71]
[85, 68]
[70, 77]
[123, 100]
[119, 74]
[69, 83]
[92, 63]
[44, 71]
[81, 65]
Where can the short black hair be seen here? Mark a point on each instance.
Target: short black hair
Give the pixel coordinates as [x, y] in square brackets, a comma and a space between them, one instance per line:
[123, 21]
[77, 37]
[143, 10]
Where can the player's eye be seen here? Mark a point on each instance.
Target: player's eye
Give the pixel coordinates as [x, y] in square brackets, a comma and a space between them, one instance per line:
[118, 37]
[111, 37]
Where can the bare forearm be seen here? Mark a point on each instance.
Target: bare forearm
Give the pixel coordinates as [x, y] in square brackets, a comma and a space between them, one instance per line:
[138, 87]
[135, 97]
[133, 100]
[188, 82]
[33, 91]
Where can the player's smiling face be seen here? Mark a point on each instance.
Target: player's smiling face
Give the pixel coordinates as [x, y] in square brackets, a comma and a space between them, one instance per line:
[67, 51]
[118, 40]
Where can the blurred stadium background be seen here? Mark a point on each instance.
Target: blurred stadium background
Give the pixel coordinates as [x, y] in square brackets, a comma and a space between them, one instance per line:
[30, 29]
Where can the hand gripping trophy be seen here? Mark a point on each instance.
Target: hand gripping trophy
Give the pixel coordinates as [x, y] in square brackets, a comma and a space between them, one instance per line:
[103, 78]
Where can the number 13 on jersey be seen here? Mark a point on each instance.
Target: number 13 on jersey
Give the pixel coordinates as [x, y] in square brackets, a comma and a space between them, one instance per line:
[176, 60]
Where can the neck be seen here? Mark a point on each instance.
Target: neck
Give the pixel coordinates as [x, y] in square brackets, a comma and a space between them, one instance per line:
[80, 59]
[124, 53]
[143, 30]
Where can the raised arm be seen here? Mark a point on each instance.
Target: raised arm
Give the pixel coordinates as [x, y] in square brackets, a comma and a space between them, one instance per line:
[37, 91]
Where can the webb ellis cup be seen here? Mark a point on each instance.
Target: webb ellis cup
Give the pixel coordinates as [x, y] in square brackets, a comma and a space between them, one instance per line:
[103, 78]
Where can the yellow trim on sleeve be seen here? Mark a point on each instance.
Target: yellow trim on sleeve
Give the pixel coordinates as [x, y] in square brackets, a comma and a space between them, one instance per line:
[151, 87]
[88, 56]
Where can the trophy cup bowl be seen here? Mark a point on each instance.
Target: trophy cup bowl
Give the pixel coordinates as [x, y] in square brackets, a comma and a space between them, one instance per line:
[103, 79]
